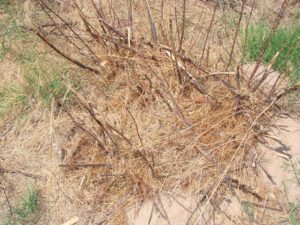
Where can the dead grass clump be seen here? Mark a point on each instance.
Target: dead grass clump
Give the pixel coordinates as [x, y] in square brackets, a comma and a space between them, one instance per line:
[156, 118]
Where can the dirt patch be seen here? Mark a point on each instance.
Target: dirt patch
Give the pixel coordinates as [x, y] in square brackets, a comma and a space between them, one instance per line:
[180, 210]
[281, 156]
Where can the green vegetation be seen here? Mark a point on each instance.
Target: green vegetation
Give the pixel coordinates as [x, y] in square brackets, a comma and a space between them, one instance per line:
[293, 168]
[248, 210]
[285, 41]
[294, 214]
[38, 85]
[24, 214]
[230, 21]
[41, 78]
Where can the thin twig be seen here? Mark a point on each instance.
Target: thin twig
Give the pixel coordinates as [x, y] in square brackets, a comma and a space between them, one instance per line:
[208, 32]
[236, 184]
[236, 35]
[73, 31]
[85, 165]
[183, 25]
[152, 24]
[41, 36]
[141, 154]
[175, 60]
[267, 72]
[204, 195]
[2, 170]
[136, 126]
[238, 96]
[8, 202]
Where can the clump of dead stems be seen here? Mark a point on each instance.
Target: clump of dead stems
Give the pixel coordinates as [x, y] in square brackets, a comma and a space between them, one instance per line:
[168, 106]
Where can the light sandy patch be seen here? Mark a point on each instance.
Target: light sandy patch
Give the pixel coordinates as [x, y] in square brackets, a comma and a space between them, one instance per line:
[182, 209]
[279, 159]
[272, 77]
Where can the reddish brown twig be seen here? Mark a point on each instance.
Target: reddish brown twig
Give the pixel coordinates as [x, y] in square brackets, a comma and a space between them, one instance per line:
[7, 201]
[2, 170]
[70, 27]
[235, 36]
[209, 31]
[183, 25]
[85, 165]
[41, 36]
[151, 22]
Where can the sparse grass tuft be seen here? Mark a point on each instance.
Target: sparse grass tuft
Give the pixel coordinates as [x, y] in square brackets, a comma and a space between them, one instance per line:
[23, 215]
[293, 168]
[10, 97]
[38, 86]
[41, 86]
[285, 41]
[41, 79]
[248, 210]
[29, 205]
[294, 215]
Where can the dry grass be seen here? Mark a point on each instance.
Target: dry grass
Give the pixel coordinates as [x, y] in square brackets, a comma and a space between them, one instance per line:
[158, 115]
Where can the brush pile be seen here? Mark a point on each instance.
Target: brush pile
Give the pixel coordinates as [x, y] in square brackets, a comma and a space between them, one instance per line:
[167, 105]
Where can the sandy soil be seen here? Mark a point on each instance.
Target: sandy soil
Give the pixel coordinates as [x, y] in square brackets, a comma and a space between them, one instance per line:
[280, 157]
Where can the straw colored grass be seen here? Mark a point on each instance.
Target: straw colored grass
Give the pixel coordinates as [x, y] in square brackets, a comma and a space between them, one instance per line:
[152, 118]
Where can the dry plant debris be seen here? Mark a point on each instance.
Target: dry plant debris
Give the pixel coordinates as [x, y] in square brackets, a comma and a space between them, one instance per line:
[157, 117]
